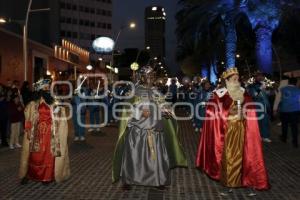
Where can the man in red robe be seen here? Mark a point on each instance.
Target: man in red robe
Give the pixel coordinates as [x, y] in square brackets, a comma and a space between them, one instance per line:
[230, 148]
[44, 156]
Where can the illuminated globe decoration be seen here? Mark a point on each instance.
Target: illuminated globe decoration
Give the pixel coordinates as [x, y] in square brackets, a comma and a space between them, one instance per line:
[134, 66]
[103, 45]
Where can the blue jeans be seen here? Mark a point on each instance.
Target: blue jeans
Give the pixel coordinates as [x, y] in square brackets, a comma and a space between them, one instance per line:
[94, 115]
[79, 131]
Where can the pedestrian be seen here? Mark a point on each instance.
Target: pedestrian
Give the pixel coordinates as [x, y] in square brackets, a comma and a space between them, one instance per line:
[259, 96]
[289, 109]
[26, 93]
[16, 117]
[79, 115]
[230, 148]
[3, 116]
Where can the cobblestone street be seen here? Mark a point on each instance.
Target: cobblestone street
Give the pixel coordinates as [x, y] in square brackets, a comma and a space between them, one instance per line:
[91, 173]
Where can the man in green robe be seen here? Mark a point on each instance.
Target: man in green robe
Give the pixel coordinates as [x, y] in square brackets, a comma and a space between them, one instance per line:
[148, 145]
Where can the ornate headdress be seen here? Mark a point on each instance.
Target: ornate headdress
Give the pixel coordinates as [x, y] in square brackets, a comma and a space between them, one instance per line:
[146, 70]
[42, 83]
[230, 72]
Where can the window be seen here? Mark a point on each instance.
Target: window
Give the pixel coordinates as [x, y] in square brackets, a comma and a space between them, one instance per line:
[75, 35]
[86, 9]
[62, 20]
[74, 21]
[108, 26]
[86, 23]
[81, 22]
[93, 36]
[92, 24]
[81, 8]
[93, 10]
[68, 21]
[74, 7]
[109, 13]
[69, 34]
[62, 33]
[62, 5]
[68, 6]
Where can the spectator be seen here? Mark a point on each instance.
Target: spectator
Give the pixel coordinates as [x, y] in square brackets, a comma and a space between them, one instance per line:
[289, 108]
[16, 116]
[173, 90]
[3, 116]
[26, 93]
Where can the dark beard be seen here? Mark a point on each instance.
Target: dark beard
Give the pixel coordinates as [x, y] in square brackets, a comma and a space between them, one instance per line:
[47, 97]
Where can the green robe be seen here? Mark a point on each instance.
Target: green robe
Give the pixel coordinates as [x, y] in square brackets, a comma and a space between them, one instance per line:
[174, 148]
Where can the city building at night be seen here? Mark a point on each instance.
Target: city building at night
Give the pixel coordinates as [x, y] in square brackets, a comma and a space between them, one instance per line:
[155, 22]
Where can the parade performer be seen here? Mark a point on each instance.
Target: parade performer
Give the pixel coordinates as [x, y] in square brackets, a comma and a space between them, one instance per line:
[148, 146]
[258, 94]
[230, 148]
[44, 155]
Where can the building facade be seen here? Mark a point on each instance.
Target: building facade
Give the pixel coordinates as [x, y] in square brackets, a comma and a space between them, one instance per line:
[155, 22]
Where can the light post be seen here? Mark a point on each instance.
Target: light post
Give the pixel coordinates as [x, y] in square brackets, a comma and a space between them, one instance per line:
[25, 33]
[132, 25]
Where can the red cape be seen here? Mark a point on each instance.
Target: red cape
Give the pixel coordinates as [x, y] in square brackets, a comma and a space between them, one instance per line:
[210, 149]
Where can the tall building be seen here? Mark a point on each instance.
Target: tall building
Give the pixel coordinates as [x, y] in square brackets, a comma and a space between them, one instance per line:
[155, 22]
[81, 21]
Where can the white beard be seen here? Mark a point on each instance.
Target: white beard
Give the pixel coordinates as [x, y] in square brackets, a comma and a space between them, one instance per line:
[235, 92]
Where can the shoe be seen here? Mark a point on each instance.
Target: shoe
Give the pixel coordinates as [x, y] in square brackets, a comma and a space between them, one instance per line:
[267, 140]
[11, 147]
[46, 183]
[225, 193]
[76, 139]
[90, 130]
[251, 193]
[24, 181]
[18, 146]
[161, 188]
[82, 138]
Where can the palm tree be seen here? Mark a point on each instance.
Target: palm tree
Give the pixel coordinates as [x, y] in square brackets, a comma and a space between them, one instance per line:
[196, 17]
[265, 16]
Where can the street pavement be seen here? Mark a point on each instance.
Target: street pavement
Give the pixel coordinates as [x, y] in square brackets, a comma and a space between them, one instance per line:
[91, 163]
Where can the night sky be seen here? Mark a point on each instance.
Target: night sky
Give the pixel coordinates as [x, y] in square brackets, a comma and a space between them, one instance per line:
[133, 10]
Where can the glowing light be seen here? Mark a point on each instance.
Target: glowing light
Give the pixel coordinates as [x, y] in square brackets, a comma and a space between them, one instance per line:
[155, 58]
[103, 45]
[48, 73]
[89, 67]
[148, 48]
[238, 55]
[154, 8]
[100, 59]
[2, 21]
[132, 25]
[116, 70]
[134, 66]
[222, 63]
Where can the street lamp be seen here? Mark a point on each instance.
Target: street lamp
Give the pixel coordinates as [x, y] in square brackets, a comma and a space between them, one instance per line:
[3, 20]
[238, 55]
[89, 67]
[148, 48]
[25, 33]
[132, 25]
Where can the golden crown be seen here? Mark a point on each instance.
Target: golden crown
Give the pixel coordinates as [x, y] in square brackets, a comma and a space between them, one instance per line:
[230, 72]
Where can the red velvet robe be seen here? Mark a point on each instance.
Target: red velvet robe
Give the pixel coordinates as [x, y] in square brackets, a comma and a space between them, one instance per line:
[41, 163]
[210, 149]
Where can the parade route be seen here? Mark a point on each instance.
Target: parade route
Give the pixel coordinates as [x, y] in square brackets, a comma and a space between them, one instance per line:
[91, 163]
